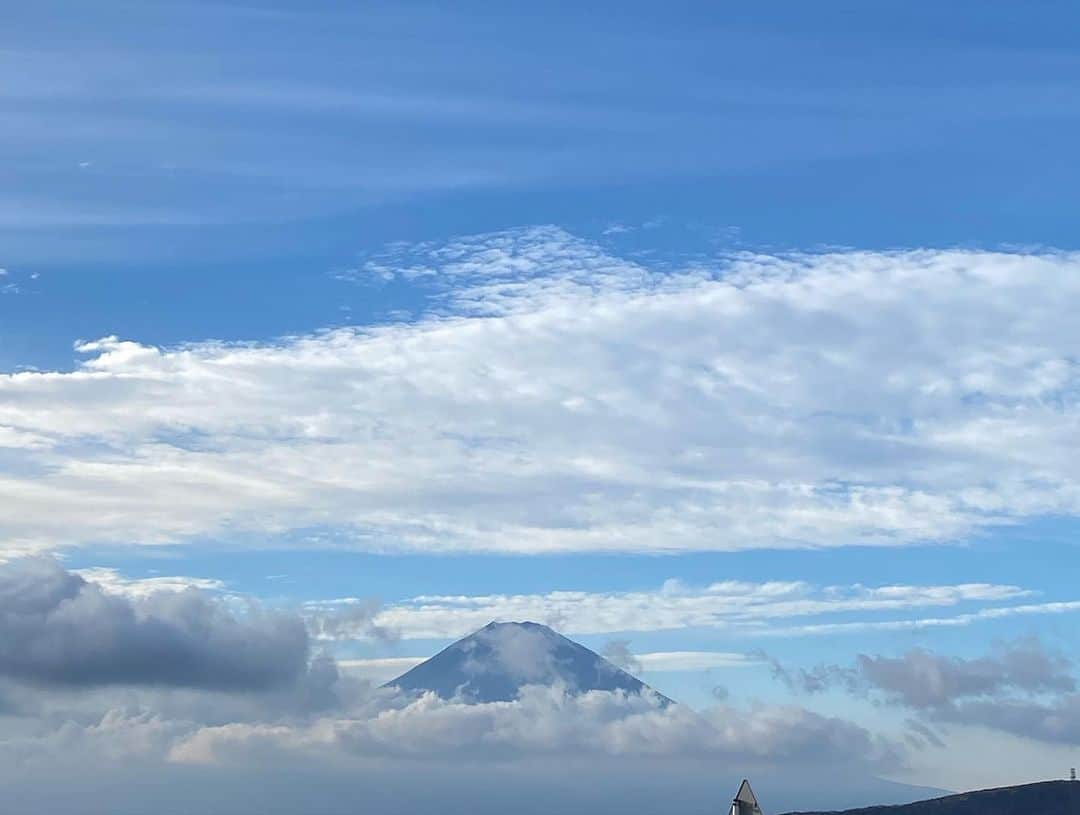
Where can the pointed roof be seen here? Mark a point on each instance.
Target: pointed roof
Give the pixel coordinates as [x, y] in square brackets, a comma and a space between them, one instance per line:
[746, 796]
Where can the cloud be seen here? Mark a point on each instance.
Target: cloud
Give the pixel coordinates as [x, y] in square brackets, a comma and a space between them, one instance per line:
[558, 398]
[618, 653]
[737, 606]
[12, 283]
[810, 680]
[548, 720]
[13, 439]
[921, 679]
[924, 679]
[58, 629]
[1055, 720]
[919, 735]
[353, 618]
[113, 582]
[660, 661]
[379, 669]
[1024, 689]
[1021, 688]
[572, 752]
[919, 623]
[525, 654]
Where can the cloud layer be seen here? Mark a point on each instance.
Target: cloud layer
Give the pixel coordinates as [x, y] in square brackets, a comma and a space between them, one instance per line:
[563, 399]
[736, 606]
[587, 403]
[548, 720]
[1022, 688]
[546, 750]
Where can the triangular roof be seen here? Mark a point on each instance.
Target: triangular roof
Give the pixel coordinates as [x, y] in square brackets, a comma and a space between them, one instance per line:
[745, 802]
[745, 795]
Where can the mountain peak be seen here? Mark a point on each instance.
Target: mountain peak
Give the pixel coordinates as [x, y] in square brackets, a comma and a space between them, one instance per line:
[496, 662]
[529, 624]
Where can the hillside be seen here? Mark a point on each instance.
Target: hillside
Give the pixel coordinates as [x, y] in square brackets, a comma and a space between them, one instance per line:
[1046, 798]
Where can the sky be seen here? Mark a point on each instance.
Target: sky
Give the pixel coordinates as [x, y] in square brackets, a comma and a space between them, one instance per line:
[735, 342]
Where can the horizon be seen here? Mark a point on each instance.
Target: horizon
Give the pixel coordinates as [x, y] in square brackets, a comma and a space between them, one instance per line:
[734, 344]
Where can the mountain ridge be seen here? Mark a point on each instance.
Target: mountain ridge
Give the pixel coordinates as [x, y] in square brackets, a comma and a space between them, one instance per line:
[1040, 798]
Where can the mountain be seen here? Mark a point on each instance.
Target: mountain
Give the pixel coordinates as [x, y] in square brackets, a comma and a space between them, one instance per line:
[1046, 798]
[496, 662]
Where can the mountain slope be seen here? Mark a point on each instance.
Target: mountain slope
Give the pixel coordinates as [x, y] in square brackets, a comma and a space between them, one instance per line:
[1046, 798]
[496, 662]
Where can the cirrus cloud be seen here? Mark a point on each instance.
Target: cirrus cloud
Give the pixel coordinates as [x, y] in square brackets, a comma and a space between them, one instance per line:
[737, 606]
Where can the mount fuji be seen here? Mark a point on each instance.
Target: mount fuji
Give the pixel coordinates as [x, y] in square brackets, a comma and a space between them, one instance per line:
[496, 662]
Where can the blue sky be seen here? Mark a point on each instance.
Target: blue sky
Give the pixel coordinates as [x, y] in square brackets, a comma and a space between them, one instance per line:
[737, 333]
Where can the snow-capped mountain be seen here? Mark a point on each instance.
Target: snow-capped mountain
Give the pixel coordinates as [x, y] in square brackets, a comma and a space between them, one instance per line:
[496, 662]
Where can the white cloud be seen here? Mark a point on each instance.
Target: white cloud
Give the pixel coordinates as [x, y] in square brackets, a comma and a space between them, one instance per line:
[8, 285]
[379, 669]
[661, 661]
[958, 620]
[113, 582]
[384, 748]
[548, 721]
[563, 400]
[736, 606]
[12, 438]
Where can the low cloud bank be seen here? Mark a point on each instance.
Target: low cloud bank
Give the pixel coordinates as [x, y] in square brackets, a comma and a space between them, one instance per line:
[551, 721]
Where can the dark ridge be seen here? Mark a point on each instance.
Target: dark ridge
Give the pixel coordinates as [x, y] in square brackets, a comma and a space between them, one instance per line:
[1044, 798]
